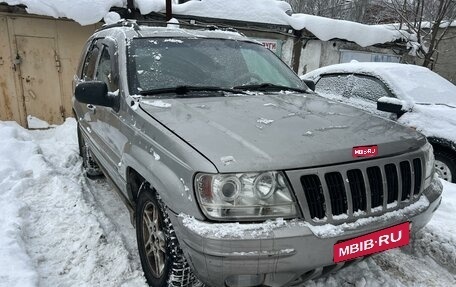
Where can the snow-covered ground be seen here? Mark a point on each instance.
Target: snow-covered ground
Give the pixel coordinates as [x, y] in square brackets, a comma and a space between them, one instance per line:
[57, 228]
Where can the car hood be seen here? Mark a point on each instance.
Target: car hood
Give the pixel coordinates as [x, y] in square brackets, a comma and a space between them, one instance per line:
[436, 121]
[278, 131]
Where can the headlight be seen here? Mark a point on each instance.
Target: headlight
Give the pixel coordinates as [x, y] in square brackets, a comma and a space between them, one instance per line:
[430, 165]
[245, 196]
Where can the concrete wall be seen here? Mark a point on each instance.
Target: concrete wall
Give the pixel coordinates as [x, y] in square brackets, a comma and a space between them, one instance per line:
[316, 53]
[446, 58]
[38, 58]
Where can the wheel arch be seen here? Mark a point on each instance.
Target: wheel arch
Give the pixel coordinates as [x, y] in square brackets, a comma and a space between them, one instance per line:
[442, 144]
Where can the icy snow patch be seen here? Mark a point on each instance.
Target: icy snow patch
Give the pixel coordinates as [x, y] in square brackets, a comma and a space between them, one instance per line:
[330, 230]
[227, 160]
[111, 18]
[156, 103]
[36, 123]
[231, 230]
[264, 121]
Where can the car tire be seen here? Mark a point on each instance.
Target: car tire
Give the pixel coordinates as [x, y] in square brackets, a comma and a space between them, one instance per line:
[445, 165]
[162, 259]
[91, 168]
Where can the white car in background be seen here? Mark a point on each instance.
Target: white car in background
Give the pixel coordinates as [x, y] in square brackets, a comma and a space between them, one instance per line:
[412, 95]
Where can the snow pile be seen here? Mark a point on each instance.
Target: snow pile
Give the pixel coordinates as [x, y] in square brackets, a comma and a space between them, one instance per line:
[50, 229]
[16, 267]
[262, 11]
[36, 123]
[84, 12]
[364, 35]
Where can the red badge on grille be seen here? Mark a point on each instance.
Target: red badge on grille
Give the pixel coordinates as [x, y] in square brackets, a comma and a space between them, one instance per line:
[365, 151]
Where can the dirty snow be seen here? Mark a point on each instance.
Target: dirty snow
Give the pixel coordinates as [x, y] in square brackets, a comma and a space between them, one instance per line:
[57, 228]
[263, 11]
[36, 123]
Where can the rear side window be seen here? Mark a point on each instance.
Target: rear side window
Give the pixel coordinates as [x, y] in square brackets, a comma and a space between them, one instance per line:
[369, 88]
[90, 63]
[351, 85]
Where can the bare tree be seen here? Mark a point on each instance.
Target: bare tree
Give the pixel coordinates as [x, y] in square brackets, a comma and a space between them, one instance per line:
[429, 19]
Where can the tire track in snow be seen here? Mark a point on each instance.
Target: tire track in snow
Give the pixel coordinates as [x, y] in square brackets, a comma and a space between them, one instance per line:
[71, 242]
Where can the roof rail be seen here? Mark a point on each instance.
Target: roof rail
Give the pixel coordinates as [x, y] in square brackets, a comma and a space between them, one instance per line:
[121, 23]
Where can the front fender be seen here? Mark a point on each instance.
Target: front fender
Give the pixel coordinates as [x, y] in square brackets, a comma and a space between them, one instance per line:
[174, 185]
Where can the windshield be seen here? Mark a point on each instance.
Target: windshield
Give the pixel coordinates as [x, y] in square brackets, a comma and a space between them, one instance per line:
[161, 63]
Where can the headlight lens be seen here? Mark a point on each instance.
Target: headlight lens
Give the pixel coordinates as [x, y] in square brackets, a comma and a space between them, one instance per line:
[245, 196]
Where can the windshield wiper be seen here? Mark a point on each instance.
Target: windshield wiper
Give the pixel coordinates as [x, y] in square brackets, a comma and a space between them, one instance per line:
[437, 104]
[269, 87]
[183, 90]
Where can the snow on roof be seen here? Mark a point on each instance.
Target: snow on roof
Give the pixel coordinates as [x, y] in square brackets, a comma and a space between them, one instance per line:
[262, 11]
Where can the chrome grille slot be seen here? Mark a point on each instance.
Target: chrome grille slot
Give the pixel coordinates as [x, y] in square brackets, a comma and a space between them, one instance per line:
[406, 175]
[336, 189]
[358, 189]
[418, 175]
[314, 195]
[376, 186]
[392, 182]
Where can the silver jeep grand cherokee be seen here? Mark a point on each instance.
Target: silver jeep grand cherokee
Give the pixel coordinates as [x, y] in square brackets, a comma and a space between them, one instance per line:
[235, 173]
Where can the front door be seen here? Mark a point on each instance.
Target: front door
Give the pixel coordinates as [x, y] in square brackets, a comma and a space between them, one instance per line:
[39, 76]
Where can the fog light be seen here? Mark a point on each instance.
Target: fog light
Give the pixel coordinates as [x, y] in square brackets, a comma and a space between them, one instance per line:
[244, 280]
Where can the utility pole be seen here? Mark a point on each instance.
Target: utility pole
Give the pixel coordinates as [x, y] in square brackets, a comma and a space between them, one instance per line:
[169, 10]
[131, 9]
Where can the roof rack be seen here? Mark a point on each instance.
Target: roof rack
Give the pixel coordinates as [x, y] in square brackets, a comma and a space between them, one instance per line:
[136, 25]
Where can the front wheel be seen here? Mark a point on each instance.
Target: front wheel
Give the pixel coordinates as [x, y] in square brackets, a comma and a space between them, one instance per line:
[162, 260]
[445, 165]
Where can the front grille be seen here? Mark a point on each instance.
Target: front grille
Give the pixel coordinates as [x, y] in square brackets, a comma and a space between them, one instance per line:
[368, 188]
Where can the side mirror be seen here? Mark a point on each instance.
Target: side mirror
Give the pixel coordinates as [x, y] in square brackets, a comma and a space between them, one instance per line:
[96, 93]
[391, 105]
[310, 84]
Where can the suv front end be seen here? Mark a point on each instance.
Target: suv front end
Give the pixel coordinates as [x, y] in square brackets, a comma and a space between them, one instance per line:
[334, 204]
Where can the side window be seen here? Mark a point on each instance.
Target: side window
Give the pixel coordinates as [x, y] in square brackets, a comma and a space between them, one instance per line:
[104, 71]
[335, 85]
[90, 63]
[259, 71]
[369, 88]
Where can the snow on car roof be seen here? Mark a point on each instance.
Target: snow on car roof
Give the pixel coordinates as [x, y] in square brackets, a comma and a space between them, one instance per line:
[412, 83]
[261, 11]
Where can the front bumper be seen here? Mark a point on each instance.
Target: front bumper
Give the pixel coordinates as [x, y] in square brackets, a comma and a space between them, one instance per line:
[277, 253]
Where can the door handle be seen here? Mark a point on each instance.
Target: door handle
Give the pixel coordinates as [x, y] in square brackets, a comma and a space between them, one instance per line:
[91, 108]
